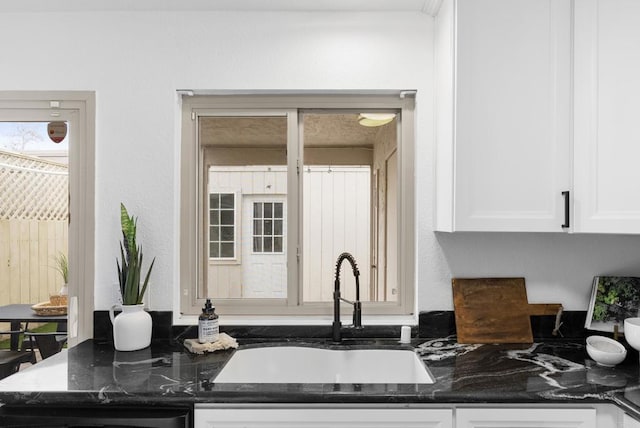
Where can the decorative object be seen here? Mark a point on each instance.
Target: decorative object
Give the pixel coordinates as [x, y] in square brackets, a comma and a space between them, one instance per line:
[605, 351]
[632, 332]
[49, 308]
[613, 299]
[62, 266]
[132, 327]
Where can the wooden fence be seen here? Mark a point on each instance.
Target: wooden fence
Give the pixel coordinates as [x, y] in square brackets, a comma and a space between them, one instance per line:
[27, 259]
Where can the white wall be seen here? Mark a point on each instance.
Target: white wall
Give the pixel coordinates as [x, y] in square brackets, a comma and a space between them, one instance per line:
[135, 61]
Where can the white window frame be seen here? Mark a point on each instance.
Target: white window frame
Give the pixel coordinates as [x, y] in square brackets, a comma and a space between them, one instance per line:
[272, 235]
[195, 106]
[236, 229]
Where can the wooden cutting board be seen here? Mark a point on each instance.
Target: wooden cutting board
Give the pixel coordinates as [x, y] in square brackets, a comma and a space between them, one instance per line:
[495, 310]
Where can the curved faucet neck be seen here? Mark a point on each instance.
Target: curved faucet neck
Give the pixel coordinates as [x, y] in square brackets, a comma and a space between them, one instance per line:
[356, 273]
[337, 298]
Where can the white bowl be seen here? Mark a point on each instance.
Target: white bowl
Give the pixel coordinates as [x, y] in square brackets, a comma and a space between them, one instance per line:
[605, 351]
[632, 332]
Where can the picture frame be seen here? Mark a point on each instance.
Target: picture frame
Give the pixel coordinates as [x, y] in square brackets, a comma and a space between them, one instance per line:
[613, 298]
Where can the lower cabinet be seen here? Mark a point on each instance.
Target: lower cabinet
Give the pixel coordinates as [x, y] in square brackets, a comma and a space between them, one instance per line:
[406, 416]
[322, 417]
[519, 417]
[629, 422]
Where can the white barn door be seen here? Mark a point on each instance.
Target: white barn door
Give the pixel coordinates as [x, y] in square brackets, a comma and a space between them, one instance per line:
[337, 218]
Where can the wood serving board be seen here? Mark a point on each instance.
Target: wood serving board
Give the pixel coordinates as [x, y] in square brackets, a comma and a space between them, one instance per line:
[495, 310]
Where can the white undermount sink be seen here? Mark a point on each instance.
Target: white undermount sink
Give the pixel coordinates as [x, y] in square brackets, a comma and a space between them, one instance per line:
[296, 364]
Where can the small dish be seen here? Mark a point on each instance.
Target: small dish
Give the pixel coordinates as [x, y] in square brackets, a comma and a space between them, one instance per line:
[605, 351]
[632, 332]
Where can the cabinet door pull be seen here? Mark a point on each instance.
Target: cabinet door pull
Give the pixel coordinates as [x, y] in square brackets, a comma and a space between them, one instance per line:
[565, 194]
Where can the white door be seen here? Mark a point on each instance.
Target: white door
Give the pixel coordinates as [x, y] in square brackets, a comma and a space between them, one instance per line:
[264, 249]
[512, 122]
[606, 100]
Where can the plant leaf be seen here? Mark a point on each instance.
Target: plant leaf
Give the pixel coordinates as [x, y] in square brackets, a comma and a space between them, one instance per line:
[146, 281]
[129, 270]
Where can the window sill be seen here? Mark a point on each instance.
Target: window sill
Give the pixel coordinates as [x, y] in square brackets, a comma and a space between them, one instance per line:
[235, 320]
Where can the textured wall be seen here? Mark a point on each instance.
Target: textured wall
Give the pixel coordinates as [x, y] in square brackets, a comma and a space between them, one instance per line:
[136, 60]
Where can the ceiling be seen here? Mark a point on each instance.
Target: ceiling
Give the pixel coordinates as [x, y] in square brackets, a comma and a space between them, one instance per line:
[426, 6]
[320, 130]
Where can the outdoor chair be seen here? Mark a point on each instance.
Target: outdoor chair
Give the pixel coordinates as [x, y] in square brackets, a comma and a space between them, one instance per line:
[47, 343]
[10, 360]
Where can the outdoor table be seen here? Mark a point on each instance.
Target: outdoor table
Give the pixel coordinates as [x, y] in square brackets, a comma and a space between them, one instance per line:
[18, 313]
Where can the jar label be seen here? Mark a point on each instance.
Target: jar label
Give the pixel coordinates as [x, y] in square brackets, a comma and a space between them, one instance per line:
[208, 331]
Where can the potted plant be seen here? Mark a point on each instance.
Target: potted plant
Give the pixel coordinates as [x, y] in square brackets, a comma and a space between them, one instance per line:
[132, 328]
[62, 266]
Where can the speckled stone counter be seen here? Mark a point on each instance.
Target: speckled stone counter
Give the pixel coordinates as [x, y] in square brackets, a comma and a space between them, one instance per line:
[165, 374]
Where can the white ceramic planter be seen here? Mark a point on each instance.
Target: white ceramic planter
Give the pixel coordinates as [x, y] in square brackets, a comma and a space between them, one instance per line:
[131, 328]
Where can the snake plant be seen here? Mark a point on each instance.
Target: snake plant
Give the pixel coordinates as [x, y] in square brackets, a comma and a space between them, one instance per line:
[130, 266]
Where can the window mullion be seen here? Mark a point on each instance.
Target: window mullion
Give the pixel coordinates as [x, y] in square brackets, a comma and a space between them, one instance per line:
[294, 209]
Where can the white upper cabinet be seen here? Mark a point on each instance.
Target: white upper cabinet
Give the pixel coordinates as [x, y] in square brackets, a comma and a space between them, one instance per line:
[503, 70]
[607, 116]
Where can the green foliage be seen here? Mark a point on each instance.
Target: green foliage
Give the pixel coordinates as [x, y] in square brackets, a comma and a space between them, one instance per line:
[130, 267]
[62, 266]
[617, 298]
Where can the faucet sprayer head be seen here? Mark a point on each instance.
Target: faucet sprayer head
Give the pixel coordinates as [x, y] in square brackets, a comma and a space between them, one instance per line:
[351, 260]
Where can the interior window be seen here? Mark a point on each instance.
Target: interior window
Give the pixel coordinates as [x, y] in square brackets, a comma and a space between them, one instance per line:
[285, 192]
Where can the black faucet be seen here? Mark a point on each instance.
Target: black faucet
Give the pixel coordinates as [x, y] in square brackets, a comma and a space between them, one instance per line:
[357, 306]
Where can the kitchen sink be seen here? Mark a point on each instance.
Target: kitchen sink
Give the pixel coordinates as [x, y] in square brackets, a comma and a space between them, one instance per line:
[297, 364]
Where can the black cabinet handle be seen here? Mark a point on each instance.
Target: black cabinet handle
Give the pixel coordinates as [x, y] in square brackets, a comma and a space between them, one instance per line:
[566, 209]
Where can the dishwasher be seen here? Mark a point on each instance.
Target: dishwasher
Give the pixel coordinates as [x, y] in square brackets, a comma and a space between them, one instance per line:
[94, 417]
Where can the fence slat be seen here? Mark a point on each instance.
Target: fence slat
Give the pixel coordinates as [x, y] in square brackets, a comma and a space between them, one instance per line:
[34, 260]
[44, 261]
[27, 259]
[14, 261]
[5, 260]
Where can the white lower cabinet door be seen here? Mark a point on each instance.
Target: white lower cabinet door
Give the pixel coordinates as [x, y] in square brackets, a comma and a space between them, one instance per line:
[629, 422]
[525, 418]
[243, 417]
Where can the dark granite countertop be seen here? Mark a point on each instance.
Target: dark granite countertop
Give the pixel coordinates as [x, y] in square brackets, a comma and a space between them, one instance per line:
[166, 374]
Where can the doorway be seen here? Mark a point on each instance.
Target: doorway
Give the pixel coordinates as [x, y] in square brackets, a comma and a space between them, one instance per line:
[264, 252]
[77, 110]
[34, 214]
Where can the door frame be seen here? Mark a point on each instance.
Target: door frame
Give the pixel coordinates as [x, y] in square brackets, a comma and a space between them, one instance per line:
[81, 243]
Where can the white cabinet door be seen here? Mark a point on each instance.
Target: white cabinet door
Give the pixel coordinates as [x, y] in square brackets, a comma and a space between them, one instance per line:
[629, 422]
[503, 145]
[523, 417]
[606, 116]
[322, 418]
